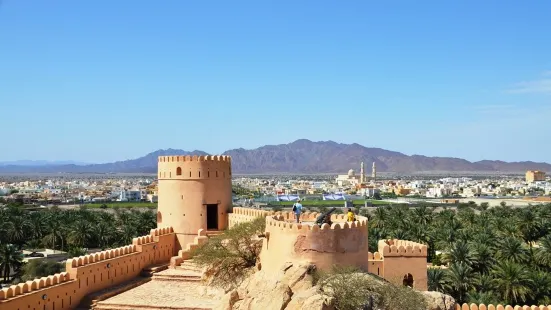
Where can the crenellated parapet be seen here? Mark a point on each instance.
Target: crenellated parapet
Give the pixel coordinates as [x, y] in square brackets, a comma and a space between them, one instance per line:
[402, 248]
[251, 212]
[90, 273]
[194, 167]
[284, 223]
[341, 243]
[161, 231]
[194, 158]
[499, 307]
[34, 285]
[101, 256]
[243, 215]
[375, 256]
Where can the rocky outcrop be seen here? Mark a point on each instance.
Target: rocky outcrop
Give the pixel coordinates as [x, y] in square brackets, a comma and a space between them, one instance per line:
[439, 301]
[292, 289]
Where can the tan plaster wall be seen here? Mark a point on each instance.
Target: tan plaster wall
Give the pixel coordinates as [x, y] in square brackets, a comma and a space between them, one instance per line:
[244, 215]
[376, 264]
[342, 243]
[402, 257]
[186, 185]
[91, 273]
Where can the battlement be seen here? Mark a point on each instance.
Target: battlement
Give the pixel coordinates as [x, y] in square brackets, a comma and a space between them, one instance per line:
[194, 158]
[103, 255]
[402, 248]
[499, 307]
[91, 273]
[161, 231]
[251, 212]
[375, 256]
[34, 285]
[284, 221]
[194, 167]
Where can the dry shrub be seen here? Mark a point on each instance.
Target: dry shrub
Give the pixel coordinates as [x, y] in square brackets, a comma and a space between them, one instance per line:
[352, 289]
[230, 256]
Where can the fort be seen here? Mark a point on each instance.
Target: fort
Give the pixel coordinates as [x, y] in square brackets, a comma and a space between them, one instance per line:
[195, 202]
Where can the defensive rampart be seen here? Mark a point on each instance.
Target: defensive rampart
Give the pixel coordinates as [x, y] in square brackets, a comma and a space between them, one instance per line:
[195, 192]
[243, 215]
[499, 307]
[90, 273]
[376, 264]
[342, 243]
[405, 262]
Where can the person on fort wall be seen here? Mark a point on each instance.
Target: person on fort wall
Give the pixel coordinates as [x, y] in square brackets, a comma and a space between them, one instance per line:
[350, 215]
[297, 210]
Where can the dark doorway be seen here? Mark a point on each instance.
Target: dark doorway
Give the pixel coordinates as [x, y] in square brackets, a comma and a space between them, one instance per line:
[408, 280]
[212, 217]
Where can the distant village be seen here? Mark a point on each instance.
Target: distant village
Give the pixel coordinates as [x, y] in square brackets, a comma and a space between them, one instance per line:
[534, 186]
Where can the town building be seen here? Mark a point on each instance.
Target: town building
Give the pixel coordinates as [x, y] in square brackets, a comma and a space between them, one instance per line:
[534, 175]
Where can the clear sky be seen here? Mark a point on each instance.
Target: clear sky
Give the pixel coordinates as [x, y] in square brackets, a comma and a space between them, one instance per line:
[98, 81]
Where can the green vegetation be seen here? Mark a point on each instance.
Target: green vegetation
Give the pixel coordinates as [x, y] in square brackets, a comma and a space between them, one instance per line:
[243, 192]
[498, 255]
[352, 289]
[38, 268]
[66, 230]
[230, 256]
[125, 204]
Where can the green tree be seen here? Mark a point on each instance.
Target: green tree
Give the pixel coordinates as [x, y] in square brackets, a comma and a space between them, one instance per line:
[37, 268]
[10, 259]
[229, 257]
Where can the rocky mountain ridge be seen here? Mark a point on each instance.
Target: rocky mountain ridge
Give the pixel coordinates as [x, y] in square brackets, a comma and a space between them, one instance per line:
[301, 156]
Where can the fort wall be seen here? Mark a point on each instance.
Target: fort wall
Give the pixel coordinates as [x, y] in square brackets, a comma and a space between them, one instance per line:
[188, 188]
[402, 258]
[90, 273]
[342, 243]
[376, 264]
[244, 215]
[498, 307]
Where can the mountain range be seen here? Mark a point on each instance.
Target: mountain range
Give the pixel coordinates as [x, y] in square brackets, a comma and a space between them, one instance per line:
[301, 156]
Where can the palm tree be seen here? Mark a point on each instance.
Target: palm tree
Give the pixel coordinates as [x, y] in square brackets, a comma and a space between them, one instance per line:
[460, 253]
[52, 227]
[379, 218]
[543, 253]
[422, 216]
[19, 227]
[81, 232]
[513, 281]
[541, 288]
[531, 228]
[461, 279]
[512, 249]
[482, 256]
[10, 259]
[436, 278]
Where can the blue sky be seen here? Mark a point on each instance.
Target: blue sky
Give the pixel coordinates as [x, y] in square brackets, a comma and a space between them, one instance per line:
[98, 81]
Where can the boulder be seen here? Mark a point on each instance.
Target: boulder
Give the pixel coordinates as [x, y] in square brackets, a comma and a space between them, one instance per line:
[438, 301]
[290, 288]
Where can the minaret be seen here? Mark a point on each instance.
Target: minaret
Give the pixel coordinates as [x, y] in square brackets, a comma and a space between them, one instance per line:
[373, 172]
[362, 173]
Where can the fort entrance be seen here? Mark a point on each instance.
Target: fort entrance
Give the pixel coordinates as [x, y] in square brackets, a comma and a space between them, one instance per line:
[212, 217]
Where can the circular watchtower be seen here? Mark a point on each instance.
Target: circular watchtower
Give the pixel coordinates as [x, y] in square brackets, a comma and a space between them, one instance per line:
[195, 192]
